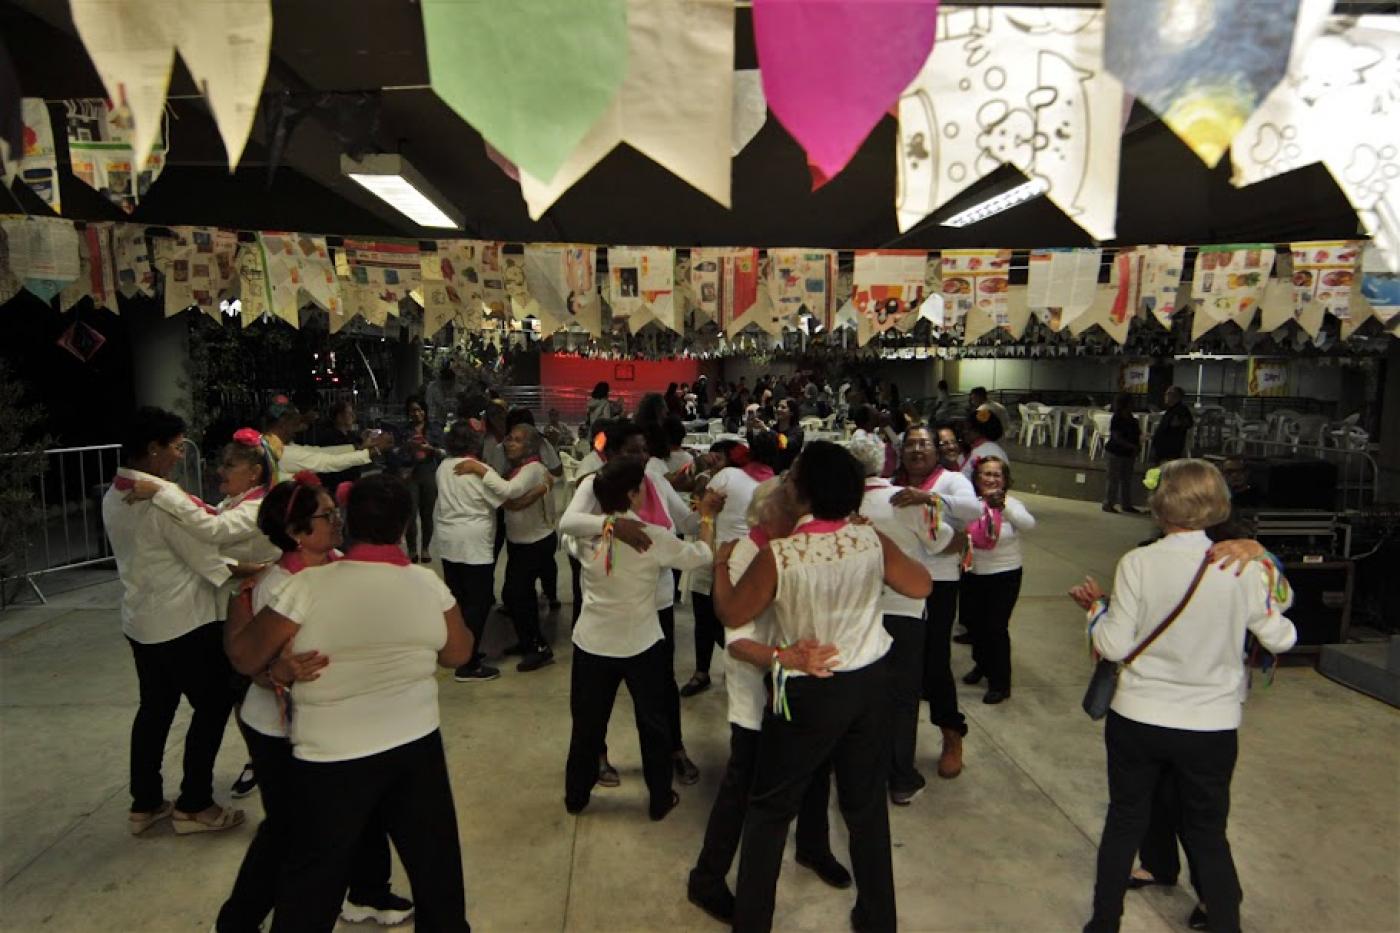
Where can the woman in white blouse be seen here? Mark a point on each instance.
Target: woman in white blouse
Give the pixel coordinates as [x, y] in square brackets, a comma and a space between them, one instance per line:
[1177, 706]
[982, 432]
[613, 643]
[824, 583]
[365, 734]
[993, 584]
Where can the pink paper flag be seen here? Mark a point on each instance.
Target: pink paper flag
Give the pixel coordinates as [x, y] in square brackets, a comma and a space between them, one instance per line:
[832, 68]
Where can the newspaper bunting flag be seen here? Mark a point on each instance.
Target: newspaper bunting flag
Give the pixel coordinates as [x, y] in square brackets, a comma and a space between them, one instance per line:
[132, 250]
[833, 68]
[532, 78]
[9, 285]
[376, 277]
[1324, 272]
[254, 289]
[43, 253]
[675, 106]
[563, 284]
[96, 276]
[36, 161]
[1229, 280]
[1379, 285]
[101, 154]
[641, 280]
[801, 280]
[1019, 86]
[1147, 278]
[226, 46]
[299, 265]
[887, 285]
[196, 267]
[462, 281]
[976, 278]
[132, 46]
[1339, 107]
[1062, 282]
[1202, 73]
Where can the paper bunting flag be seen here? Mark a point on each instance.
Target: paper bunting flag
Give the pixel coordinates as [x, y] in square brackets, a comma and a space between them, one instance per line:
[473, 285]
[36, 162]
[531, 77]
[1203, 70]
[641, 280]
[196, 267]
[1340, 107]
[132, 250]
[377, 276]
[9, 285]
[1325, 272]
[750, 109]
[932, 310]
[675, 106]
[1100, 314]
[254, 289]
[1019, 86]
[1379, 285]
[563, 289]
[299, 268]
[833, 68]
[97, 279]
[1148, 278]
[43, 253]
[977, 324]
[1276, 307]
[101, 154]
[801, 279]
[225, 45]
[976, 278]
[888, 284]
[1017, 314]
[1229, 280]
[1063, 280]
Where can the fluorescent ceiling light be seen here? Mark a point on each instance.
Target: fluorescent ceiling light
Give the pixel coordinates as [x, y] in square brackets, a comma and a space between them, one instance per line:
[998, 203]
[393, 180]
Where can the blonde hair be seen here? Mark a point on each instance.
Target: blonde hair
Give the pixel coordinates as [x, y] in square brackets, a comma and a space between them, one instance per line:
[1190, 494]
[767, 499]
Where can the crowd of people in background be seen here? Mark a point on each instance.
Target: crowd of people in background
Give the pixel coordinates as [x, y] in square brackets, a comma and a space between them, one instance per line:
[828, 576]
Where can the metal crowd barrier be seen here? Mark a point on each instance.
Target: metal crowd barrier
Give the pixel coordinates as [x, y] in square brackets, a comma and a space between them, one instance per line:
[70, 533]
[1357, 471]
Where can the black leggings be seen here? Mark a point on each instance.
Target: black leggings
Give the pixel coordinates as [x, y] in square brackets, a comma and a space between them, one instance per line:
[987, 601]
[472, 585]
[709, 633]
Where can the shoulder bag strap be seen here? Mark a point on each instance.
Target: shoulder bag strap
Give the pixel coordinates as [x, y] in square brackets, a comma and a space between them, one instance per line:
[1156, 632]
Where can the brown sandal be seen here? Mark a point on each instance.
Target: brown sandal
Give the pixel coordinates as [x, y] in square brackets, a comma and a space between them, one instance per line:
[138, 822]
[186, 824]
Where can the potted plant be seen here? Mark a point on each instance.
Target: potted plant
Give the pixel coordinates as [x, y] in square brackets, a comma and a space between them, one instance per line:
[21, 467]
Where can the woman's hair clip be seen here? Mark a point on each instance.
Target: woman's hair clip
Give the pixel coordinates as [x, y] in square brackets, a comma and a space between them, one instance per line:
[600, 440]
[739, 455]
[248, 437]
[342, 493]
[306, 478]
[1152, 478]
[477, 425]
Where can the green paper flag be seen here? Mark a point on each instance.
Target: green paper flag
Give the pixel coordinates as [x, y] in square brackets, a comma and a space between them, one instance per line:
[530, 75]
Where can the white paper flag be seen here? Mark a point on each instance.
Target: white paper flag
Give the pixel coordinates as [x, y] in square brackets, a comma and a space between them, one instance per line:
[1064, 279]
[641, 280]
[132, 250]
[132, 45]
[1229, 280]
[225, 44]
[43, 253]
[37, 164]
[96, 276]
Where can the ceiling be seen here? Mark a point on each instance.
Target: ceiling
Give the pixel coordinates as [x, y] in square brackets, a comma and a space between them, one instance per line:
[376, 46]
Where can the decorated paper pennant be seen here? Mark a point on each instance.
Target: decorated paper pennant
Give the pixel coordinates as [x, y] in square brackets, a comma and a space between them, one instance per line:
[976, 278]
[448, 298]
[9, 285]
[1229, 280]
[1339, 107]
[97, 277]
[43, 253]
[801, 279]
[36, 161]
[750, 109]
[132, 250]
[254, 288]
[377, 276]
[1276, 307]
[531, 77]
[225, 45]
[1019, 86]
[1147, 278]
[1063, 280]
[977, 323]
[1100, 314]
[833, 68]
[1379, 285]
[1324, 271]
[1359, 311]
[102, 156]
[675, 105]
[299, 267]
[887, 285]
[1202, 69]
[194, 265]
[641, 280]
[563, 289]
[1018, 312]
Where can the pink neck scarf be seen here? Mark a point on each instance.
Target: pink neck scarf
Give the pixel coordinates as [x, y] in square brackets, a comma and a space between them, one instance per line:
[758, 471]
[820, 526]
[378, 554]
[653, 510]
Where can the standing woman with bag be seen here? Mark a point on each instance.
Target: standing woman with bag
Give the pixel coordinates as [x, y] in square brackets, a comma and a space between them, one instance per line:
[993, 584]
[1179, 627]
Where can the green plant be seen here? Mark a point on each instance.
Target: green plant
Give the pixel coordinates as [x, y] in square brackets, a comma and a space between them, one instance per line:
[21, 468]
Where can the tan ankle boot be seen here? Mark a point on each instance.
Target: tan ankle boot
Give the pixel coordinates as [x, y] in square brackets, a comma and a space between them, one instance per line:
[950, 763]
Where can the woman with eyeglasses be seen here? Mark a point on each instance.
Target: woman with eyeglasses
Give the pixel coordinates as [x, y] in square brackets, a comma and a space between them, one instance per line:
[302, 520]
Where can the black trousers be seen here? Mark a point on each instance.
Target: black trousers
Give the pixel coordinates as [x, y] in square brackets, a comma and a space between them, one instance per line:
[526, 563]
[906, 659]
[576, 573]
[726, 824]
[422, 487]
[1139, 755]
[939, 688]
[667, 618]
[1159, 853]
[473, 587]
[193, 666]
[709, 632]
[1119, 487]
[593, 683]
[406, 790]
[843, 719]
[255, 891]
[987, 603]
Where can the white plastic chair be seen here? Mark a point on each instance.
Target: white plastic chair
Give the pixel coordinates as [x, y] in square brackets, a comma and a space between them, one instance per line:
[1075, 422]
[810, 423]
[716, 426]
[1098, 442]
[1035, 426]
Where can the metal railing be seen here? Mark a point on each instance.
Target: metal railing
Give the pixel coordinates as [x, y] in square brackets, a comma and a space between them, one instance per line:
[1357, 471]
[69, 533]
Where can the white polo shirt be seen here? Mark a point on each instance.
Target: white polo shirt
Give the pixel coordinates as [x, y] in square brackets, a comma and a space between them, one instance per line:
[909, 529]
[1016, 520]
[743, 682]
[381, 626]
[169, 577]
[260, 710]
[536, 521]
[731, 523]
[464, 517]
[609, 623]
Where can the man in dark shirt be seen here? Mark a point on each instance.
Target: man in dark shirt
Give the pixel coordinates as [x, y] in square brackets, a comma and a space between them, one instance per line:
[1169, 440]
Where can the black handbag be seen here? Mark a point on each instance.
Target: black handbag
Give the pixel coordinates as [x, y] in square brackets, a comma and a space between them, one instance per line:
[1104, 682]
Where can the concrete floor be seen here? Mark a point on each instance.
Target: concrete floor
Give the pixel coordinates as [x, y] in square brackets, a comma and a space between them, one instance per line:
[1008, 846]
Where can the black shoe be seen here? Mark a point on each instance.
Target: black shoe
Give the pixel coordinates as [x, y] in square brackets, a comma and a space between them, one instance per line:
[659, 813]
[541, 657]
[514, 651]
[827, 869]
[478, 674]
[1134, 883]
[962, 638]
[993, 697]
[714, 899]
[387, 909]
[903, 798]
[247, 782]
[607, 775]
[698, 683]
[1109, 508]
[1197, 920]
[1132, 511]
[973, 676]
[574, 809]
[686, 771]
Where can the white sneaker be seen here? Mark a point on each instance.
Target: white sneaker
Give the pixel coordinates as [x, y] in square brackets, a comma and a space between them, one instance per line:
[387, 910]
